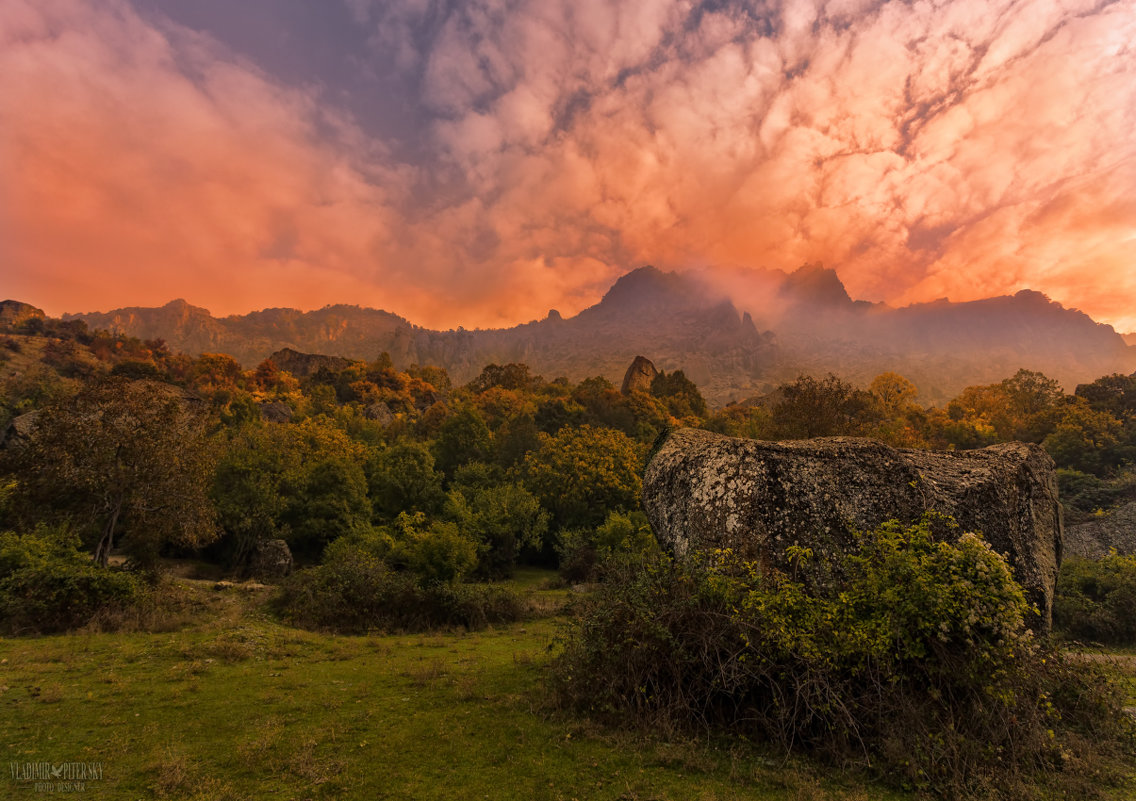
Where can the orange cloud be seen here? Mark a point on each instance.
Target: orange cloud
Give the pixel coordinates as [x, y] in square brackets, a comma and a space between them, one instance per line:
[964, 149]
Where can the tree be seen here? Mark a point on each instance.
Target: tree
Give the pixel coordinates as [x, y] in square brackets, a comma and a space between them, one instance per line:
[503, 518]
[583, 473]
[812, 407]
[402, 478]
[1086, 439]
[464, 437]
[331, 502]
[127, 460]
[680, 394]
[894, 393]
[273, 477]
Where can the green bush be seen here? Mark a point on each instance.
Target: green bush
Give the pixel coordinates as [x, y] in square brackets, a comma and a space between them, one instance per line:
[583, 552]
[1096, 599]
[354, 591]
[919, 663]
[47, 584]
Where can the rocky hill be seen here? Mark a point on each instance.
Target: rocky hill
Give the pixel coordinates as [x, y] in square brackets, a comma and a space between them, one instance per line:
[734, 338]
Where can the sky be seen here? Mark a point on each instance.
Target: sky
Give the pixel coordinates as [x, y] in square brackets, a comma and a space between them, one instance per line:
[478, 163]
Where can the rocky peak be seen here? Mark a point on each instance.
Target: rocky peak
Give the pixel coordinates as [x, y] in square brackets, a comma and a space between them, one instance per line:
[14, 313]
[814, 283]
[639, 376]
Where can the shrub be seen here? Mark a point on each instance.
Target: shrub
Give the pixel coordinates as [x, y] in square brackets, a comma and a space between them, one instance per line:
[1096, 599]
[919, 663]
[47, 584]
[584, 552]
[504, 519]
[354, 592]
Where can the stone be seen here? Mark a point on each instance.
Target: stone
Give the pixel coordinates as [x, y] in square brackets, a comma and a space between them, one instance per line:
[639, 376]
[270, 559]
[379, 412]
[20, 430]
[14, 313]
[275, 411]
[1114, 530]
[705, 491]
[304, 365]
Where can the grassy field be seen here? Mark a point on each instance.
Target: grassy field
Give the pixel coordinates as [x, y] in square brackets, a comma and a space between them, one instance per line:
[237, 706]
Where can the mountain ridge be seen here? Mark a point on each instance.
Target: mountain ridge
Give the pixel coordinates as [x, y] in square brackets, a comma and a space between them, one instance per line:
[734, 339]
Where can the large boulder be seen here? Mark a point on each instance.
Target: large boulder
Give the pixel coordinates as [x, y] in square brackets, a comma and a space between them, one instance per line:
[639, 376]
[270, 559]
[1112, 531]
[706, 491]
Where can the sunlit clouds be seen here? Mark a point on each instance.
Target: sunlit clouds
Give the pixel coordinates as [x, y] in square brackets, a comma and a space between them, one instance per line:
[539, 148]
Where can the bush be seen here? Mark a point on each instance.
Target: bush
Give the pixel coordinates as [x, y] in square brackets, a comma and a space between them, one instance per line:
[1096, 599]
[583, 553]
[47, 584]
[918, 664]
[354, 592]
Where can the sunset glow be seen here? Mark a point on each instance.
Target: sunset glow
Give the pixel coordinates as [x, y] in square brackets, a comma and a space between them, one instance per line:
[478, 163]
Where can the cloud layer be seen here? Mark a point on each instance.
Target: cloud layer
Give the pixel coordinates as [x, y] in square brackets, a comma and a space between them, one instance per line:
[922, 149]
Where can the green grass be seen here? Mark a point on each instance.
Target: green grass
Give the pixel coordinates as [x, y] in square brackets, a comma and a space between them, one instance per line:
[237, 706]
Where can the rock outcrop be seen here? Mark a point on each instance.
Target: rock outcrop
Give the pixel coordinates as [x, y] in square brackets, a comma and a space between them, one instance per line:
[14, 313]
[703, 490]
[270, 559]
[303, 365]
[276, 411]
[19, 430]
[639, 376]
[1114, 530]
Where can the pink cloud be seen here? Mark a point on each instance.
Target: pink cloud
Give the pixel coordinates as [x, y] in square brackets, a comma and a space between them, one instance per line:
[964, 149]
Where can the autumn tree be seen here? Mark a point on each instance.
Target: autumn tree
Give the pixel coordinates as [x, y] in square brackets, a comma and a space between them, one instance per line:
[123, 460]
[819, 407]
[582, 473]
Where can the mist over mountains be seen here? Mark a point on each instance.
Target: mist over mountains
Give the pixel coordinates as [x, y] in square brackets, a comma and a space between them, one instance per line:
[735, 334]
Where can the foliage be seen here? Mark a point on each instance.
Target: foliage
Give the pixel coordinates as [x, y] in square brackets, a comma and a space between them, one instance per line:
[329, 501]
[584, 553]
[1086, 439]
[462, 438]
[582, 473]
[299, 481]
[504, 518]
[47, 584]
[354, 591]
[1083, 494]
[402, 478]
[123, 458]
[679, 393]
[1022, 407]
[1115, 394]
[811, 407]
[1096, 599]
[919, 663]
[436, 552]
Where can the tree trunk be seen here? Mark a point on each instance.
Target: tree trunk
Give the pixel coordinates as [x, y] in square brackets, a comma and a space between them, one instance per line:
[102, 551]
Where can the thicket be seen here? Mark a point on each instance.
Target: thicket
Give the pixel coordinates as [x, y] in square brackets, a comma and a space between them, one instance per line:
[919, 665]
[48, 584]
[1096, 599]
[358, 588]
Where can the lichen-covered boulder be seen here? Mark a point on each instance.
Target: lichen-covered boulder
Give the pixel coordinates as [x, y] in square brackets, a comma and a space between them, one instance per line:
[270, 559]
[706, 491]
[1114, 531]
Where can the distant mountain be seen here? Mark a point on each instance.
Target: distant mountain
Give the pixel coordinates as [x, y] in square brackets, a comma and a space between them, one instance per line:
[734, 335]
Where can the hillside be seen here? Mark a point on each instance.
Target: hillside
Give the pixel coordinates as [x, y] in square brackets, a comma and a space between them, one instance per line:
[734, 338]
